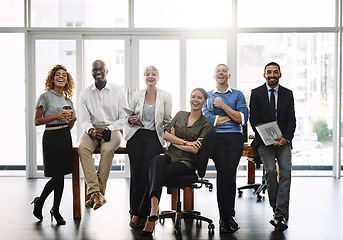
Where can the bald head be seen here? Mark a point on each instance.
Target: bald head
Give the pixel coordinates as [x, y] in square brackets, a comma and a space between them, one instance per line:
[99, 62]
[99, 72]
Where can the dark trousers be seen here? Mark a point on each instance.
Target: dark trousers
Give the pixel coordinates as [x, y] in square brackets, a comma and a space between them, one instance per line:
[162, 170]
[142, 147]
[226, 154]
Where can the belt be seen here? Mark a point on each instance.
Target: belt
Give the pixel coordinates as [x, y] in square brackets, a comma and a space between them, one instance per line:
[100, 126]
[56, 127]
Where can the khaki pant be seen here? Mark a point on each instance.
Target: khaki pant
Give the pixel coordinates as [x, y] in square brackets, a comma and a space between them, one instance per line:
[96, 180]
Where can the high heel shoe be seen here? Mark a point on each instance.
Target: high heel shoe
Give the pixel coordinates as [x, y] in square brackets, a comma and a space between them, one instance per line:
[37, 208]
[59, 219]
[152, 218]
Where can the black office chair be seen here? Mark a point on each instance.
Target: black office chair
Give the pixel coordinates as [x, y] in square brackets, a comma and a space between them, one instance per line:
[207, 184]
[182, 182]
[258, 187]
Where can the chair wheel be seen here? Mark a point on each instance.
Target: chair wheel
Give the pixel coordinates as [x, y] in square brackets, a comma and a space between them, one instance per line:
[210, 226]
[177, 227]
[240, 192]
[177, 224]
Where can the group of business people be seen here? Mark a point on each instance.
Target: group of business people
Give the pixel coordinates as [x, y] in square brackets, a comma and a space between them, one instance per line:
[102, 117]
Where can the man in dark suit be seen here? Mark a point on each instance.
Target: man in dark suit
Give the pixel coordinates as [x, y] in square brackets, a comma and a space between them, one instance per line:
[281, 110]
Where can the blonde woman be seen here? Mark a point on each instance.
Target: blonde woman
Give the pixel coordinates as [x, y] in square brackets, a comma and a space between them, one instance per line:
[145, 139]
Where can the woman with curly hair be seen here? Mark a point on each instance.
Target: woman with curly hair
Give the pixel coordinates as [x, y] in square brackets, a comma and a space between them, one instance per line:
[55, 109]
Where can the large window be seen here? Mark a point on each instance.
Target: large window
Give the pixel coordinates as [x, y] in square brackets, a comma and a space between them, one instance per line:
[163, 54]
[306, 61]
[12, 13]
[203, 55]
[290, 13]
[80, 13]
[109, 51]
[183, 14]
[60, 52]
[12, 101]
[185, 39]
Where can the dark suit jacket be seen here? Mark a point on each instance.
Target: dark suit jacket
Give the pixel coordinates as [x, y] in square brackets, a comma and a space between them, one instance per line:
[260, 112]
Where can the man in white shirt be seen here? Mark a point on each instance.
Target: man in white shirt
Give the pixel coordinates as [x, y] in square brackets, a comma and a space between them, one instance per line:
[101, 107]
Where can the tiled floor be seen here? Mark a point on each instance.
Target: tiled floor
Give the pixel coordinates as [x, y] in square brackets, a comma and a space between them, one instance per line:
[316, 212]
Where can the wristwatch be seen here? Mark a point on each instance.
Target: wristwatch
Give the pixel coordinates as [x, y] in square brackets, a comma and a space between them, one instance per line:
[90, 131]
[184, 142]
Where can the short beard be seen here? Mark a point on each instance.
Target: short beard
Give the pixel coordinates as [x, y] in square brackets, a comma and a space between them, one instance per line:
[275, 83]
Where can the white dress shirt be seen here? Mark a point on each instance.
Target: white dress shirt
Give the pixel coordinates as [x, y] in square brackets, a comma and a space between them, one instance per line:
[102, 107]
[276, 93]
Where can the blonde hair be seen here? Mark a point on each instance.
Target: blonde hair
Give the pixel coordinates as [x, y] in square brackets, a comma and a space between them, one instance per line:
[149, 68]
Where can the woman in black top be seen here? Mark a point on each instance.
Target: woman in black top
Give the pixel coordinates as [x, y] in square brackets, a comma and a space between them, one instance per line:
[55, 109]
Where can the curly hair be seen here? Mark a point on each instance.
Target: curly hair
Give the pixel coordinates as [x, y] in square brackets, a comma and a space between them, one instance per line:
[68, 88]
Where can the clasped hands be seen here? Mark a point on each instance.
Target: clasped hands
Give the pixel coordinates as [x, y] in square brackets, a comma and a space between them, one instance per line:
[96, 133]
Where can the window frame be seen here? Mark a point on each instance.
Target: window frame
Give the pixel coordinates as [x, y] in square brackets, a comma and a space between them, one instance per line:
[183, 34]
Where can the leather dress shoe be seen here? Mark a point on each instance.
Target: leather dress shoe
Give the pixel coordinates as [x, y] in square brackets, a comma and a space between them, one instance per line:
[228, 225]
[233, 224]
[99, 200]
[90, 202]
[279, 223]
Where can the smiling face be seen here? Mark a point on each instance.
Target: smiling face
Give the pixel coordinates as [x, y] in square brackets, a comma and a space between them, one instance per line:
[272, 75]
[222, 75]
[151, 78]
[60, 78]
[197, 100]
[99, 72]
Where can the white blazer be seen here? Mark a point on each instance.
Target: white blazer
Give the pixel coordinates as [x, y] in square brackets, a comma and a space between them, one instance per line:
[163, 109]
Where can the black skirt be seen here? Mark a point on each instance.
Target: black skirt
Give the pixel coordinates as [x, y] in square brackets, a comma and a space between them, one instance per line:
[57, 152]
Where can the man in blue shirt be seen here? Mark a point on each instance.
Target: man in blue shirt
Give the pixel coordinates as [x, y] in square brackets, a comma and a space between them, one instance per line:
[227, 109]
